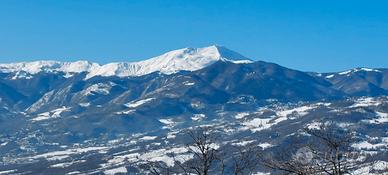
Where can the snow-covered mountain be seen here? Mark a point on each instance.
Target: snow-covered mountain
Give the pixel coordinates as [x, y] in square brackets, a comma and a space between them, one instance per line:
[27, 69]
[86, 118]
[186, 59]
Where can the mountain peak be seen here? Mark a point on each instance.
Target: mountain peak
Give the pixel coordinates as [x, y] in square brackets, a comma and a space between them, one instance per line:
[228, 54]
[186, 59]
[214, 52]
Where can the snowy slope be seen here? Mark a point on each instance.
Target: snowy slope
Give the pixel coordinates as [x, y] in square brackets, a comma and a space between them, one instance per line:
[352, 71]
[23, 68]
[188, 59]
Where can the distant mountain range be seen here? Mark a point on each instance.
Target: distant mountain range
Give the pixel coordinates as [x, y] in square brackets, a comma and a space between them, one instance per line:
[51, 106]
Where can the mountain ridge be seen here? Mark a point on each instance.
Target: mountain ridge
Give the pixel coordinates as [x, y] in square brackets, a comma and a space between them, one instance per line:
[52, 118]
[186, 59]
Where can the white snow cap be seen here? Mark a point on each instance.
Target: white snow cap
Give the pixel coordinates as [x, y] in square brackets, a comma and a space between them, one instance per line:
[48, 66]
[188, 59]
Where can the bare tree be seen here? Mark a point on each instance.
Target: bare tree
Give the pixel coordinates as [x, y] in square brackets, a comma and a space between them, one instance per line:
[207, 159]
[329, 152]
[332, 151]
[245, 160]
[156, 167]
[206, 156]
[285, 160]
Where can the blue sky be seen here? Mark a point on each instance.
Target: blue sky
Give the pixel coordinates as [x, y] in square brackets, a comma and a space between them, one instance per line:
[327, 35]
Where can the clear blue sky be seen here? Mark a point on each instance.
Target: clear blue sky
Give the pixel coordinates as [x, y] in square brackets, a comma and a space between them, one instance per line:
[327, 35]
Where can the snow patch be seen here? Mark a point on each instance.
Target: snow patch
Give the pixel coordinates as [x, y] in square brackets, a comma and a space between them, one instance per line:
[368, 146]
[240, 61]
[241, 115]
[7, 172]
[99, 88]
[147, 138]
[59, 155]
[300, 111]
[188, 83]
[314, 125]
[168, 122]
[84, 105]
[116, 170]
[345, 72]
[56, 113]
[243, 143]
[164, 155]
[265, 145]
[348, 72]
[365, 102]
[261, 173]
[198, 117]
[330, 76]
[382, 118]
[134, 104]
[3, 144]
[127, 112]
[258, 124]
